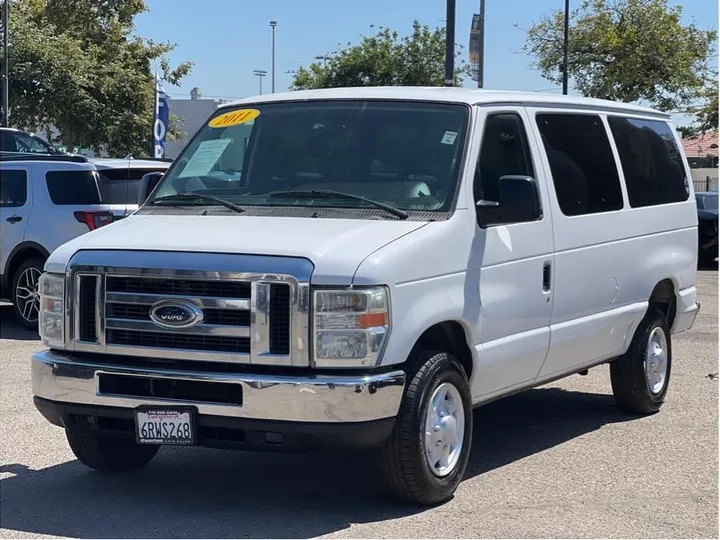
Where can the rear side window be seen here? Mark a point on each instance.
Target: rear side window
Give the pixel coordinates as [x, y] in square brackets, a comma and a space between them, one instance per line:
[651, 161]
[73, 187]
[582, 164]
[121, 186]
[13, 188]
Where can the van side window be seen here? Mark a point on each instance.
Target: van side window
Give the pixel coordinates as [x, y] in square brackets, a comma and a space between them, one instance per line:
[504, 151]
[582, 164]
[651, 161]
[13, 189]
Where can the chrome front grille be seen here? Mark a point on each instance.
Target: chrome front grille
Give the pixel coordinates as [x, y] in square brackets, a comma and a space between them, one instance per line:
[247, 317]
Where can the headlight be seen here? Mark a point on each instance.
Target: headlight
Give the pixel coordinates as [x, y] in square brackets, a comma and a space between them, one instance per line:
[351, 326]
[52, 310]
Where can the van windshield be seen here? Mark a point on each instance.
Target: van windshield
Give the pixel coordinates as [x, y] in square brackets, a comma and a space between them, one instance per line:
[402, 154]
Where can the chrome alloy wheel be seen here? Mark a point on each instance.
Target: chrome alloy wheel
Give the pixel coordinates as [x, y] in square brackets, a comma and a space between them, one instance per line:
[27, 294]
[444, 430]
[656, 361]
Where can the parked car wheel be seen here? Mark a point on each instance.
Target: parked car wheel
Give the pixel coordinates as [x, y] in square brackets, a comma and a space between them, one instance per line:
[25, 294]
[108, 454]
[640, 377]
[425, 457]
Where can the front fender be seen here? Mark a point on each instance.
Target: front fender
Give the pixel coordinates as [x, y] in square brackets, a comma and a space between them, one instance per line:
[419, 305]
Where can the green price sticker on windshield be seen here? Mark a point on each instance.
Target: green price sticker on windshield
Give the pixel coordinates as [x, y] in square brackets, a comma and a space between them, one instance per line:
[234, 118]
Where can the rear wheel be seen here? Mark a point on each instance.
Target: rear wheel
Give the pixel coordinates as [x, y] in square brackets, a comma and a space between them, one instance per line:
[25, 292]
[640, 377]
[425, 458]
[108, 454]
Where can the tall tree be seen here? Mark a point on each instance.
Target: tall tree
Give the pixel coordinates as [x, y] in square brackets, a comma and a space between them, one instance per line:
[626, 50]
[706, 112]
[384, 59]
[76, 65]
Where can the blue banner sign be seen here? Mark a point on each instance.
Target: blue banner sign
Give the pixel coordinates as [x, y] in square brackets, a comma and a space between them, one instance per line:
[162, 119]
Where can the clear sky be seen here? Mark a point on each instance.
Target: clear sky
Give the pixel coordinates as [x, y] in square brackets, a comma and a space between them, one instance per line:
[228, 39]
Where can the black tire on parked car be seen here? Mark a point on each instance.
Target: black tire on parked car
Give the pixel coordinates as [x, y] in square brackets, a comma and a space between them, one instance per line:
[25, 294]
[640, 377]
[426, 455]
[107, 454]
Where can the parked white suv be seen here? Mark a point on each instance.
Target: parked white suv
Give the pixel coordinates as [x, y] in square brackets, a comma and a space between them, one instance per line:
[361, 267]
[46, 200]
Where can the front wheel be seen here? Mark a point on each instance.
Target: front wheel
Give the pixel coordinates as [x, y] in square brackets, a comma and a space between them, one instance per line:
[640, 377]
[425, 457]
[108, 454]
[25, 293]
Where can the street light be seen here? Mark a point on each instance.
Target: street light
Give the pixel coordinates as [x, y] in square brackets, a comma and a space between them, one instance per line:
[273, 24]
[260, 73]
[565, 47]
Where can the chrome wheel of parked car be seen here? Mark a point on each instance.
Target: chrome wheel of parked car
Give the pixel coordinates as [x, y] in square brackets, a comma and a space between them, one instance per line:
[26, 294]
[444, 429]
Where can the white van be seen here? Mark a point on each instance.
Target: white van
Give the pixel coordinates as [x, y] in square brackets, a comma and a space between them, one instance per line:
[362, 267]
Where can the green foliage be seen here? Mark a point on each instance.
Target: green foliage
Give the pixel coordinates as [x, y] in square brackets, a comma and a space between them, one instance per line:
[384, 59]
[75, 64]
[706, 113]
[626, 50]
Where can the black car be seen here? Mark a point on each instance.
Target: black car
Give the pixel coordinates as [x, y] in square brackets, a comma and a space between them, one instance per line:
[707, 204]
[18, 141]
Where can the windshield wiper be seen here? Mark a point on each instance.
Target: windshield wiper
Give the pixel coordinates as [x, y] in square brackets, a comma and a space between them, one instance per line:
[330, 194]
[188, 196]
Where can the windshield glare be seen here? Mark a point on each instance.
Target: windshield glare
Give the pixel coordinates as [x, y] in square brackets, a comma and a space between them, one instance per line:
[405, 154]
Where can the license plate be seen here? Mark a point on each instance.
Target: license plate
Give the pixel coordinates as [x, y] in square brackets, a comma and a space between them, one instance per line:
[165, 426]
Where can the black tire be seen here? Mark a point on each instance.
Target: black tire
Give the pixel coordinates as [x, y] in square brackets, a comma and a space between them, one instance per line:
[628, 375]
[406, 470]
[35, 266]
[108, 454]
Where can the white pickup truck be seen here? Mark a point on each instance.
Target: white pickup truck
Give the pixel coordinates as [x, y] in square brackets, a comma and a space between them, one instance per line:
[362, 267]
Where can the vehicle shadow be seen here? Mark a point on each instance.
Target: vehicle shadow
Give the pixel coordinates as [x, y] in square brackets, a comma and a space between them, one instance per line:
[10, 329]
[201, 493]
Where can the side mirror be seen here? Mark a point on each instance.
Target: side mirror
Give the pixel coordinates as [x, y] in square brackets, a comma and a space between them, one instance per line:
[147, 184]
[519, 203]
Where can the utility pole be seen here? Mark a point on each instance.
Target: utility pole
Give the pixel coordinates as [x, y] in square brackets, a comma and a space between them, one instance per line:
[324, 59]
[450, 43]
[566, 32]
[481, 42]
[273, 24]
[6, 72]
[260, 73]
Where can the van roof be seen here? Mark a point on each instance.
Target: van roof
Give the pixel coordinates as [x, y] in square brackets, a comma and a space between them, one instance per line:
[455, 95]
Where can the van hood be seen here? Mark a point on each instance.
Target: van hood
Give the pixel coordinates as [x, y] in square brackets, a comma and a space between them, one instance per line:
[335, 246]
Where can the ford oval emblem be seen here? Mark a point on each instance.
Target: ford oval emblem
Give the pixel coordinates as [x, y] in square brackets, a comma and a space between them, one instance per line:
[175, 314]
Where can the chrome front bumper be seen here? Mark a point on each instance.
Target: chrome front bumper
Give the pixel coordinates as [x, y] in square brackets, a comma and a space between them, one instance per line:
[60, 377]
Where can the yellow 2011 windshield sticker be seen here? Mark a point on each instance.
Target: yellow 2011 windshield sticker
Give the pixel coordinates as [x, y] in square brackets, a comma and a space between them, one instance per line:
[234, 118]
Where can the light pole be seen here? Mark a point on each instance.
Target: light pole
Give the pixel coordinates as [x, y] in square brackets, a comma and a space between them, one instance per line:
[481, 43]
[450, 43]
[260, 73]
[324, 59]
[273, 24]
[566, 30]
[6, 74]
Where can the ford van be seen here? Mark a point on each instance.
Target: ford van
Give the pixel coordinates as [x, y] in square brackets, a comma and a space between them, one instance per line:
[362, 267]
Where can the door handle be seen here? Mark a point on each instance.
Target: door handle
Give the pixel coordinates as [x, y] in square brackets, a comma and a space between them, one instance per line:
[14, 219]
[547, 275]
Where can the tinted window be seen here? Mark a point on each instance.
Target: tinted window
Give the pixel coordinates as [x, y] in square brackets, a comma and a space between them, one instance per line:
[120, 186]
[28, 143]
[504, 151]
[13, 188]
[73, 187]
[582, 164]
[406, 154]
[707, 202]
[651, 161]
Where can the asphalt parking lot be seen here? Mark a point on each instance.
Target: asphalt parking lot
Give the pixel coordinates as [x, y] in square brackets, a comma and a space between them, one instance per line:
[558, 461]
